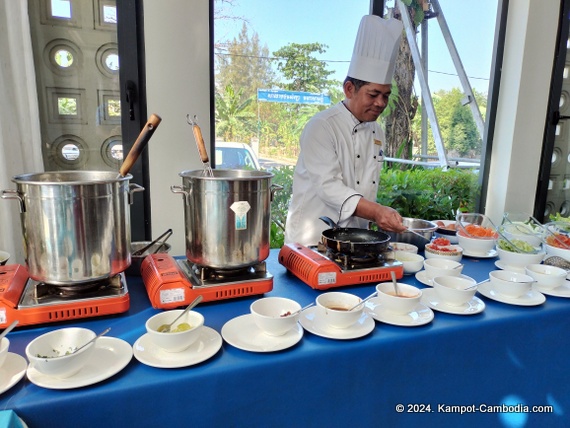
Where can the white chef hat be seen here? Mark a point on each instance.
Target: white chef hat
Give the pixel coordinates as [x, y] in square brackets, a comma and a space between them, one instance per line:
[375, 50]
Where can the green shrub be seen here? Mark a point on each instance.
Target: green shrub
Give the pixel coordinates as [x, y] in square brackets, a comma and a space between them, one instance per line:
[429, 194]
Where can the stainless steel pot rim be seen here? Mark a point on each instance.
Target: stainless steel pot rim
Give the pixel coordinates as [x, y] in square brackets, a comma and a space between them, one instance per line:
[70, 178]
[225, 174]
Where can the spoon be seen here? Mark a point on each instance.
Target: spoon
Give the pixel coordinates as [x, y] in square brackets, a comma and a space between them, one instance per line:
[458, 266]
[298, 310]
[476, 285]
[395, 282]
[166, 327]
[8, 329]
[363, 300]
[417, 234]
[84, 345]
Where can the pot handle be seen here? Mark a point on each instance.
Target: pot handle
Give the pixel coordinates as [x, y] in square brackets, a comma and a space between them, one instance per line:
[134, 188]
[329, 221]
[179, 189]
[274, 188]
[13, 194]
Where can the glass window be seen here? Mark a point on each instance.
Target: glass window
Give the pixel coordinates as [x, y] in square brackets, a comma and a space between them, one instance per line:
[275, 68]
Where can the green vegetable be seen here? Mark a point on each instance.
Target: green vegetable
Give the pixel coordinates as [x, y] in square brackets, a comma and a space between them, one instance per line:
[518, 246]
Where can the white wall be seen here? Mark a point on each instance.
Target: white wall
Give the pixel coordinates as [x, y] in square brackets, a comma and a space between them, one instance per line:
[177, 67]
[526, 74]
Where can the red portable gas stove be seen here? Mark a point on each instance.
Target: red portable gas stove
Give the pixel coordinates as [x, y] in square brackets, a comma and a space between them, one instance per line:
[33, 302]
[321, 268]
[171, 283]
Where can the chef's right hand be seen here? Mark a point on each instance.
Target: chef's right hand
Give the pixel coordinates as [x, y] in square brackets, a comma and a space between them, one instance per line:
[389, 219]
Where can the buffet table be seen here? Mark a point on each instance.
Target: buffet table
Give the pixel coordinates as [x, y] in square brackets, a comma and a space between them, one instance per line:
[456, 370]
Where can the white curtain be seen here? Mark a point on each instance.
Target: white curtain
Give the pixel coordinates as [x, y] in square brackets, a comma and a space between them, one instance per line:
[20, 140]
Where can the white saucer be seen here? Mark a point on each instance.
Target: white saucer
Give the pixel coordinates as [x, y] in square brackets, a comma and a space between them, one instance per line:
[472, 307]
[503, 266]
[313, 323]
[243, 333]
[419, 316]
[207, 345]
[531, 298]
[562, 291]
[110, 356]
[13, 369]
[488, 255]
[422, 277]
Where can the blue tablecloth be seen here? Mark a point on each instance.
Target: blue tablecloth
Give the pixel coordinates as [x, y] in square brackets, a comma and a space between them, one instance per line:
[505, 355]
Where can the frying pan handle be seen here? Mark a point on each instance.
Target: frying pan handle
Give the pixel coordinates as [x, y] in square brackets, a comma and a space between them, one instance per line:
[329, 221]
[140, 144]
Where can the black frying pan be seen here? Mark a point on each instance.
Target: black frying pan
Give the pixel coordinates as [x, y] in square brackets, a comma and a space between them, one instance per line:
[353, 241]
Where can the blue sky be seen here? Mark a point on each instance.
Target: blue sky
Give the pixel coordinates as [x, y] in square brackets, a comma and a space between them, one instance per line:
[335, 24]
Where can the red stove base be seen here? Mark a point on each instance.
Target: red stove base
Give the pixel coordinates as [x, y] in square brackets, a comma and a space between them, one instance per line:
[14, 281]
[320, 272]
[169, 286]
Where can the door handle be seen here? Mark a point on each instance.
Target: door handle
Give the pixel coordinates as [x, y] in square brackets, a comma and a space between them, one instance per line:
[131, 91]
[557, 117]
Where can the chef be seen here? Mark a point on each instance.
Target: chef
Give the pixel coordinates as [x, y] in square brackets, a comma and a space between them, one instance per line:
[341, 154]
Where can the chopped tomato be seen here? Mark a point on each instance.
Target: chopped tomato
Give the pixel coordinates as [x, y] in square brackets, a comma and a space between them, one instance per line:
[441, 242]
[558, 240]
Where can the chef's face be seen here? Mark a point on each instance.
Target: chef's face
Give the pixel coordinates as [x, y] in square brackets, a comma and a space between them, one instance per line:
[368, 102]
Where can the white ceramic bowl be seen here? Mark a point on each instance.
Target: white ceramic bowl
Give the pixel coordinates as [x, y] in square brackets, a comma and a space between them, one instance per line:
[442, 267]
[404, 303]
[402, 246]
[273, 314]
[4, 256]
[475, 246]
[334, 308]
[509, 283]
[519, 260]
[546, 276]
[4, 346]
[175, 341]
[452, 290]
[412, 262]
[47, 353]
[451, 252]
[551, 250]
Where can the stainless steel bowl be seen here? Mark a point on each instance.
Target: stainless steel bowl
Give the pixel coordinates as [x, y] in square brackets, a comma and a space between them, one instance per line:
[135, 268]
[424, 229]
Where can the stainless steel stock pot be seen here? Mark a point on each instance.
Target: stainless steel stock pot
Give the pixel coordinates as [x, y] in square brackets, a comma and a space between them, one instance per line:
[75, 224]
[227, 217]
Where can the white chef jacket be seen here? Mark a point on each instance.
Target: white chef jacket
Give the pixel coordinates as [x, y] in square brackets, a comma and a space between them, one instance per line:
[339, 162]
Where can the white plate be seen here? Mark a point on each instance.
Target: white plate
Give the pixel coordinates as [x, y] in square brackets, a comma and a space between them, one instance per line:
[207, 345]
[243, 333]
[422, 277]
[503, 266]
[311, 322]
[431, 299]
[13, 369]
[110, 356]
[419, 316]
[488, 255]
[531, 298]
[562, 291]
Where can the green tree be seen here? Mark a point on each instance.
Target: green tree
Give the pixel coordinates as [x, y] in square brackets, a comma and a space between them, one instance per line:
[302, 70]
[233, 120]
[244, 63]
